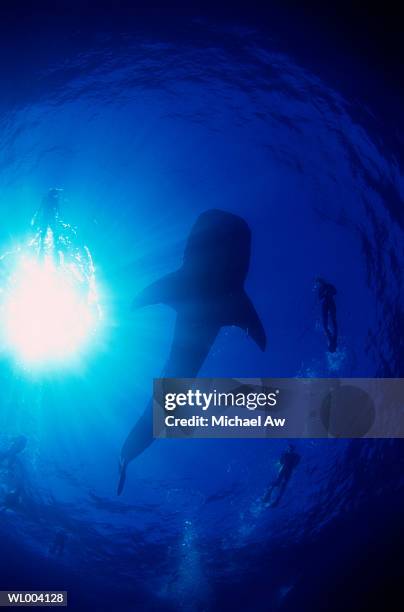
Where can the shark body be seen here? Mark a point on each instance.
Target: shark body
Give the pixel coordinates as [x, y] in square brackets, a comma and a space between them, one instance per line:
[207, 293]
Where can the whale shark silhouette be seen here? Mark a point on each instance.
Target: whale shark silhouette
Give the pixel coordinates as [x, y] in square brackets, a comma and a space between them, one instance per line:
[208, 293]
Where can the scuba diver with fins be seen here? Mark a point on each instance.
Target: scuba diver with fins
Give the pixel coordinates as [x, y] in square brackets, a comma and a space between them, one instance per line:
[289, 460]
[326, 295]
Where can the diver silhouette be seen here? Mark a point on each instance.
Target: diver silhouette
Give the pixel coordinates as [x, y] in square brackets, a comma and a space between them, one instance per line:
[46, 220]
[326, 294]
[11, 454]
[53, 237]
[288, 462]
[57, 241]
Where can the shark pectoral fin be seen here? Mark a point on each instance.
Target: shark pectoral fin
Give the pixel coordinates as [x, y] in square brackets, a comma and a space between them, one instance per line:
[247, 318]
[163, 291]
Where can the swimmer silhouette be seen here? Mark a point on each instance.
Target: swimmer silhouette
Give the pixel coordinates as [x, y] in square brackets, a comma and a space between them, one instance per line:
[288, 462]
[56, 240]
[10, 455]
[50, 234]
[47, 223]
[208, 293]
[326, 294]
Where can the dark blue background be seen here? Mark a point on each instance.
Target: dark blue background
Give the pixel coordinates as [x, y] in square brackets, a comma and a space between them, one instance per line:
[290, 117]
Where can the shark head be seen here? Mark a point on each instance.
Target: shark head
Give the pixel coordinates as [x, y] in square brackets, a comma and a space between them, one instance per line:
[217, 252]
[209, 286]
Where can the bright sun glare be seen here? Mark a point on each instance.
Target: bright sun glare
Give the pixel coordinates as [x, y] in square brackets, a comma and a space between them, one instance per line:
[47, 319]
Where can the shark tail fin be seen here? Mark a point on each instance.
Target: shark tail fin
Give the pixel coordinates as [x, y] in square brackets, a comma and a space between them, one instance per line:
[163, 291]
[246, 317]
[122, 476]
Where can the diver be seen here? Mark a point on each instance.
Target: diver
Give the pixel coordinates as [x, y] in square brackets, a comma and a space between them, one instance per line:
[58, 545]
[288, 462]
[46, 219]
[326, 294]
[11, 454]
[56, 241]
[51, 238]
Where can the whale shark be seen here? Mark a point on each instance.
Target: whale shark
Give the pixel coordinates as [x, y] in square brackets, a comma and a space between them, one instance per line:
[207, 293]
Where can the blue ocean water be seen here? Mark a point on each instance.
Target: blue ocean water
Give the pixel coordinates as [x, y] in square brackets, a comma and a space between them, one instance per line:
[143, 137]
